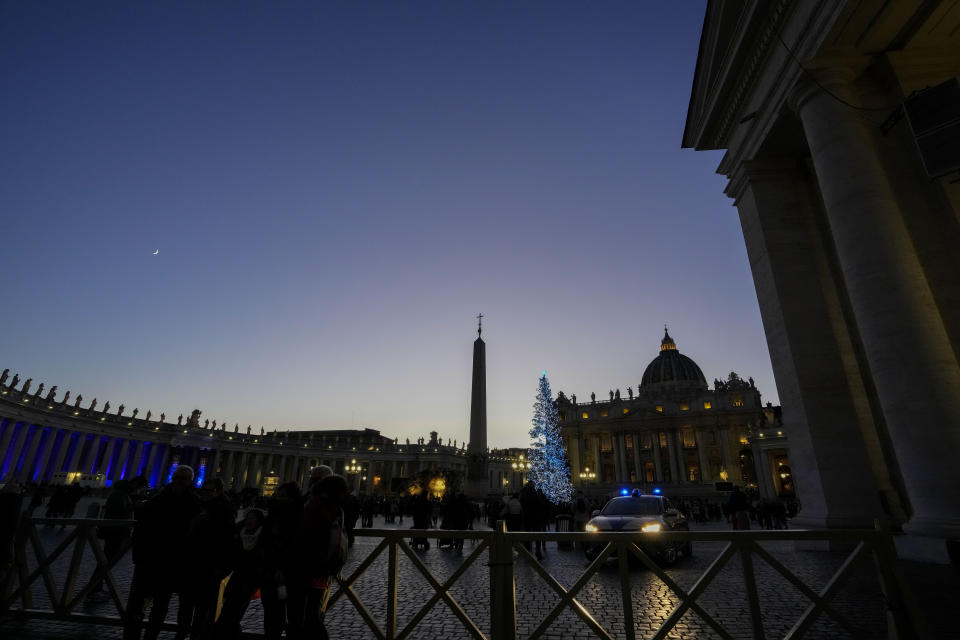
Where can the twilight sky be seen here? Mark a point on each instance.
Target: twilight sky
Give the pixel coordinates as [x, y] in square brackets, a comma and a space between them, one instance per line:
[336, 189]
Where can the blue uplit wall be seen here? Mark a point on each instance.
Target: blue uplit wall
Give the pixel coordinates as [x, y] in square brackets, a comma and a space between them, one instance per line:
[144, 458]
[58, 441]
[38, 457]
[32, 434]
[112, 463]
[157, 470]
[71, 452]
[8, 454]
[131, 451]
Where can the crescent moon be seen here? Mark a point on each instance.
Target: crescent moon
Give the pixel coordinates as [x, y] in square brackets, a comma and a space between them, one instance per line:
[156, 252]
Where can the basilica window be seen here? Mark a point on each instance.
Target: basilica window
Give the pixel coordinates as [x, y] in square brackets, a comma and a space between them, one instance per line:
[706, 404]
[606, 444]
[585, 415]
[684, 406]
[663, 440]
[645, 441]
[628, 442]
[648, 469]
[737, 401]
[603, 413]
[660, 408]
[689, 439]
[693, 473]
[626, 411]
[562, 415]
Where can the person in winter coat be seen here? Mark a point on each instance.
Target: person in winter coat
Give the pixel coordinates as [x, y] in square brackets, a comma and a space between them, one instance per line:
[248, 565]
[536, 514]
[160, 553]
[321, 544]
[208, 548]
[282, 591]
[513, 513]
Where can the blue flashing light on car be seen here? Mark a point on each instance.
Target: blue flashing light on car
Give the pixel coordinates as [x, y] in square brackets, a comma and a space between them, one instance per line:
[624, 492]
[656, 490]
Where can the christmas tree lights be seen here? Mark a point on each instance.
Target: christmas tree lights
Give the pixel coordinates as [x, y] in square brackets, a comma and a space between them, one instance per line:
[549, 470]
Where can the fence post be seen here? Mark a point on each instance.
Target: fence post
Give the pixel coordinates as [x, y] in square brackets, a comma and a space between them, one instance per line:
[903, 619]
[503, 601]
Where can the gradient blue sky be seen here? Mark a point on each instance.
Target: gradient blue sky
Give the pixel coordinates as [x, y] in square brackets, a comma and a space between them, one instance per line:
[337, 189]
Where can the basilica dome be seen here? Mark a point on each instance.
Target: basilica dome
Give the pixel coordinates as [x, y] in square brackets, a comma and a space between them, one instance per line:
[672, 370]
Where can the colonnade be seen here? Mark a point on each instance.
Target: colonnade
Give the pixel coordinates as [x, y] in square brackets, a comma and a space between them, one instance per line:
[34, 450]
[662, 448]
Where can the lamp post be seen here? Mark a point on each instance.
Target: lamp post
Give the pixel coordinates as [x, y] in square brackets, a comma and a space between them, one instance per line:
[354, 469]
[521, 466]
[586, 475]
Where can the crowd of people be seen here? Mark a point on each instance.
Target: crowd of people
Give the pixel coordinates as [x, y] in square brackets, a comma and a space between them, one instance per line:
[189, 543]
[218, 550]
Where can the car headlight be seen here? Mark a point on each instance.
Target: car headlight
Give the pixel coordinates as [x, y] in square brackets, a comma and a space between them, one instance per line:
[650, 527]
[592, 528]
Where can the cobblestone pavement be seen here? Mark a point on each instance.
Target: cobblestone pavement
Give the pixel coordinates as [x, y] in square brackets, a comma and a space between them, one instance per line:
[781, 603]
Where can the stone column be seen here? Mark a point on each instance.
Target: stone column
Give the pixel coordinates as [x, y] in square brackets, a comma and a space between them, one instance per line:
[617, 460]
[911, 358]
[23, 473]
[825, 408]
[638, 458]
[705, 476]
[761, 462]
[598, 468]
[65, 443]
[229, 457]
[16, 448]
[83, 465]
[675, 476]
[121, 459]
[237, 467]
[9, 428]
[724, 435]
[151, 460]
[108, 448]
[164, 462]
[625, 463]
[573, 450]
[657, 458]
[48, 448]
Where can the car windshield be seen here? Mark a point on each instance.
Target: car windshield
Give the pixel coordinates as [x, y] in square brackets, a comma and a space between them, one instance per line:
[632, 507]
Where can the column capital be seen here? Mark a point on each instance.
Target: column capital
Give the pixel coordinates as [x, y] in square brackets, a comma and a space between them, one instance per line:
[815, 81]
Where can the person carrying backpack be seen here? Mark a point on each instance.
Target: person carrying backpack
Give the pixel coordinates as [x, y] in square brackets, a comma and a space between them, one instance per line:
[321, 545]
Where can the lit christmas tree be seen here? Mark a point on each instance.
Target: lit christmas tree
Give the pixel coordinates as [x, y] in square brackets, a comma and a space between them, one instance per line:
[549, 470]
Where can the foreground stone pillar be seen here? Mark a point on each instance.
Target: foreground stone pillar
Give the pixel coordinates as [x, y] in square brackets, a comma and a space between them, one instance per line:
[825, 408]
[912, 361]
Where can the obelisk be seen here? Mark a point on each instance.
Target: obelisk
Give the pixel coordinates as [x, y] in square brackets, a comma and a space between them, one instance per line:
[477, 482]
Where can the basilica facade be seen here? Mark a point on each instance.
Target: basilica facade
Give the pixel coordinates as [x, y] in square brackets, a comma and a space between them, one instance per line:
[676, 434]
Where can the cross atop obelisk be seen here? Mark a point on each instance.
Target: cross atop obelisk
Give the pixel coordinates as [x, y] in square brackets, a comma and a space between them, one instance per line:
[479, 324]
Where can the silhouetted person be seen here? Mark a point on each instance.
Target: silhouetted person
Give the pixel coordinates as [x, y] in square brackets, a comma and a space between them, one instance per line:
[282, 591]
[208, 546]
[248, 563]
[321, 550]
[119, 506]
[159, 552]
[536, 513]
[11, 502]
[738, 507]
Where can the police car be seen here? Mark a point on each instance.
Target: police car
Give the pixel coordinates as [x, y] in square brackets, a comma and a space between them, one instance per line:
[649, 514]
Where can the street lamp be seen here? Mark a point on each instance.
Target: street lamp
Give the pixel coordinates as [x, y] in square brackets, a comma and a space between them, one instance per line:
[521, 466]
[354, 469]
[586, 475]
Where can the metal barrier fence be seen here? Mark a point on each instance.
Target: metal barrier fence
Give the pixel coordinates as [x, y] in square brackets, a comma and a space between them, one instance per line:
[501, 546]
